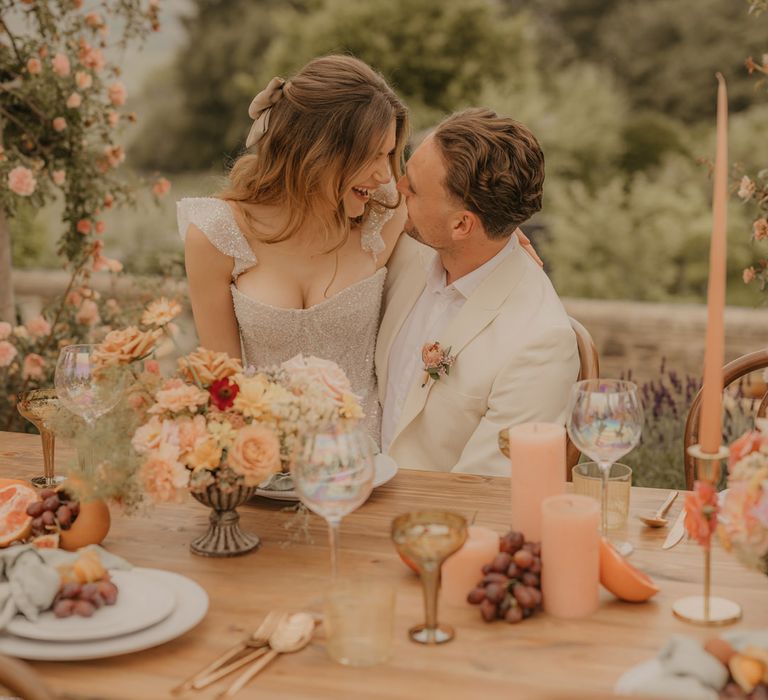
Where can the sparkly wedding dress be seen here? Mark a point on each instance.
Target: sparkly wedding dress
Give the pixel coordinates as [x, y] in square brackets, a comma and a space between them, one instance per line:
[341, 328]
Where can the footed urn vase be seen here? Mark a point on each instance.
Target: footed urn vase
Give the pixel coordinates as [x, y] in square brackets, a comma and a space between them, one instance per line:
[224, 537]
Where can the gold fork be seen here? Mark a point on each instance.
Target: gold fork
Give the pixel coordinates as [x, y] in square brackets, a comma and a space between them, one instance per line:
[219, 668]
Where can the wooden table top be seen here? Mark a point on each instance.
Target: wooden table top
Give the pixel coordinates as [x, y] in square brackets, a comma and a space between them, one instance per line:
[540, 657]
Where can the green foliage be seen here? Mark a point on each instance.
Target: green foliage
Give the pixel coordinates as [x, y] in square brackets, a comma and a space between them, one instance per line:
[28, 238]
[648, 138]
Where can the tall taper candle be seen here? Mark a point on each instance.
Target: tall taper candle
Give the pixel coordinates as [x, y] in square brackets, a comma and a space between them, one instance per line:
[710, 421]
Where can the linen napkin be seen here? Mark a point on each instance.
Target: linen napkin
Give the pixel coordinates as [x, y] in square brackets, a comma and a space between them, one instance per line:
[29, 579]
[682, 669]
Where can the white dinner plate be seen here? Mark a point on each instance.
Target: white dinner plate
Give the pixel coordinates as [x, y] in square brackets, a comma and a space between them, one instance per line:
[141, 601]
[191, 606]
[385, 467]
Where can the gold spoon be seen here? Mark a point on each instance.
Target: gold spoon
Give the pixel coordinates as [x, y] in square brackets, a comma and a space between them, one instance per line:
[292, 633]
[658, 519]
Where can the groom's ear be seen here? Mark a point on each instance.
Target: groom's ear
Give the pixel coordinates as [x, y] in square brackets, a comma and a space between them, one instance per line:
[465, 225]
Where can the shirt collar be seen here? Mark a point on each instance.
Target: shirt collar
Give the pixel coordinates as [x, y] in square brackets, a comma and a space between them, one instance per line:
[467, 284]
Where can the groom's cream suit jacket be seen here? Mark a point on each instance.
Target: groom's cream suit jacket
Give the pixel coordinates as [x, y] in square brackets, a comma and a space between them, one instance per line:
[516, 359]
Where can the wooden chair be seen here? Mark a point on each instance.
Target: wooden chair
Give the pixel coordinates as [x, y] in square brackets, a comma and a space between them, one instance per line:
[734, 370]
[589, 368]
[19, 678]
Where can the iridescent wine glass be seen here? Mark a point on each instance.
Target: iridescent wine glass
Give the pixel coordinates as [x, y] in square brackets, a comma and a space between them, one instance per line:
[428, 538]
[605, 421]
[86, 390]
[332, 471]
[38, 406]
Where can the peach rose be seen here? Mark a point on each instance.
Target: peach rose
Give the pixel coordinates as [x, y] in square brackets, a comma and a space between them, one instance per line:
[34, 66]
[206, 454]
[151, 366]
[117, 94]
[175, 395]
[90, 57]
[83, 226]
[74, 101]
[21, 181]
[7, 353]
[192, 431]
[163, 476]
[115, 155]
[760, 229]
[162, 187]
[33, 366]
[59, 177]
[161, 312]
[38, 327]
[126, 345]
[207, 366]
[5, 329]
[59, 124]
[147, 436]
[60, 64]
[255, 454]
[432, 355]
[83, 80]
[326, 374]
[88, 313]
[113, 118]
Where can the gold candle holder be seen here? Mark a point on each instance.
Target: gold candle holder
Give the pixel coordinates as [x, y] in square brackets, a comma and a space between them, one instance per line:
[708, 610]
[38, 406]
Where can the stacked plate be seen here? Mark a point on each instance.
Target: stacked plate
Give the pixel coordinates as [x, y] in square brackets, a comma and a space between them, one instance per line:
[152, 607]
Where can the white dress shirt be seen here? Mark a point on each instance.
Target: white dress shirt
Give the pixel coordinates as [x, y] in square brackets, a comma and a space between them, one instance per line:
[437, 305]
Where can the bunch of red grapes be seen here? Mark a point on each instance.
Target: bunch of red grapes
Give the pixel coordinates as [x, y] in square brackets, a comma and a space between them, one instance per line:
[54, 510]
[511, 585]
[84, 599]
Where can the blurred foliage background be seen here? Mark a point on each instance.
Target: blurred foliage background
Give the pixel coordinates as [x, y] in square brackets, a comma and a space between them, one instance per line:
[621, 95]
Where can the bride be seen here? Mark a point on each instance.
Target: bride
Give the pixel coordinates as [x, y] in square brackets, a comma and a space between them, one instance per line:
[290, 257]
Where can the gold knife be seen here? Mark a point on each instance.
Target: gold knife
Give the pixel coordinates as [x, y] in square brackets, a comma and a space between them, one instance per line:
[677, 532]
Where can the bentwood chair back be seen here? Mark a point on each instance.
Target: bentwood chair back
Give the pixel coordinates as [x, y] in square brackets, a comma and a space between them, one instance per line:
[732, 371]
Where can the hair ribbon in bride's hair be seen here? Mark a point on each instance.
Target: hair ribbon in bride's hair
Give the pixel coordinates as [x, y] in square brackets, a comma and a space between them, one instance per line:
[260, 109]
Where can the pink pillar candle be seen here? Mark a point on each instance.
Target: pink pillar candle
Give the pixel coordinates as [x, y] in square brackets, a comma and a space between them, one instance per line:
[537, 457]
[462, 571]
[570, 555]
[710, 420]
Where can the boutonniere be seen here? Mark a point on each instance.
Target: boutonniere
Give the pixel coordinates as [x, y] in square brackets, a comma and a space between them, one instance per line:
[437, 362]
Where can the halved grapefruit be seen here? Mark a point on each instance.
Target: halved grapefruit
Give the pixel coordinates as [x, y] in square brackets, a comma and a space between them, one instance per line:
[621, 578]
[46, 541]
[15, 524]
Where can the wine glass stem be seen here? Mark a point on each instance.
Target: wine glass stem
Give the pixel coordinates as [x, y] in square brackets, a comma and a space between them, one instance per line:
[430, 579]
[333, 540]
[49, 444]
[605, 470]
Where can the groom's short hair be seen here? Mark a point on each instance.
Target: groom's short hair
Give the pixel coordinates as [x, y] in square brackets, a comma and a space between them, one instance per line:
[494, 166]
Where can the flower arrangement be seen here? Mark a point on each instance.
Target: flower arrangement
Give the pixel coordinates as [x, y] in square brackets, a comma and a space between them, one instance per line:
[214, 422]
[744, 520]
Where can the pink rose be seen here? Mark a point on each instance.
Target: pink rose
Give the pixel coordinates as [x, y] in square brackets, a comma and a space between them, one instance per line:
[83, 80]
[151, 366]
[59, 177]
[161, 187]
[34, 66]
[255, 454]
[109, 200]
[59, 124]
[5, 329]
[117, 94]
[191, 432]
[83, 226]
[163, 476]
[748, 275]
[115, 155]
[113, 118]
[100, 227]
[175, 396]
[21, 181]
[38, 327]
[60, 64]
[74, 298]
[74, 101]
[88, 314]
[7, 353]
[432, 355]
[326, 374]
[33, 366]
[760, 229]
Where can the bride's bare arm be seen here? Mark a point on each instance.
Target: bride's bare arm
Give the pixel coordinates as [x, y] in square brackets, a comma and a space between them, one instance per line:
[209, 274]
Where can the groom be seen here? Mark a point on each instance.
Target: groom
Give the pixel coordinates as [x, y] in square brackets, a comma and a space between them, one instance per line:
[465, 301]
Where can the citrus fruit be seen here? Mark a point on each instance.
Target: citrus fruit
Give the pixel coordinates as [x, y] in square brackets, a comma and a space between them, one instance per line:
[621, 578]
[15, 524]
[46, 541]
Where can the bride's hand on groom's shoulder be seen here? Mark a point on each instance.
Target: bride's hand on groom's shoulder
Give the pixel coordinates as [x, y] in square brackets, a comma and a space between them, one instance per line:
[525, 242]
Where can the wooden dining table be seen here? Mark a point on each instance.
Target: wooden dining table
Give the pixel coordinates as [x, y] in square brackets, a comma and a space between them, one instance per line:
[541, 657]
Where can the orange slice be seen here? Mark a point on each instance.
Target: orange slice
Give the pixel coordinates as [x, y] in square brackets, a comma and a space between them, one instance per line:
[621, 578]
[15, 524]
[46, 541]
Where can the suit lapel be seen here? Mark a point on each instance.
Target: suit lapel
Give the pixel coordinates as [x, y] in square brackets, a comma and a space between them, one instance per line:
[478, 311]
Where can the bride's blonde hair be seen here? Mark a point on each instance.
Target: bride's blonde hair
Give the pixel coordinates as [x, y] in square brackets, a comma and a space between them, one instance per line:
[329, 123]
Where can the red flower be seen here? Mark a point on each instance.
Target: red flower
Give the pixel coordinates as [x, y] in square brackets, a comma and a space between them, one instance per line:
[223, 393]
[701, 512]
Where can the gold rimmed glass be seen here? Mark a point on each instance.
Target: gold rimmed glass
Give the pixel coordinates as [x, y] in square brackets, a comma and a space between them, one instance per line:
[38, 407]
[428, 538]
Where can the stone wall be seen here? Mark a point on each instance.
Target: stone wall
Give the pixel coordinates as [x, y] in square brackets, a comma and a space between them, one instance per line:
[628, 334]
